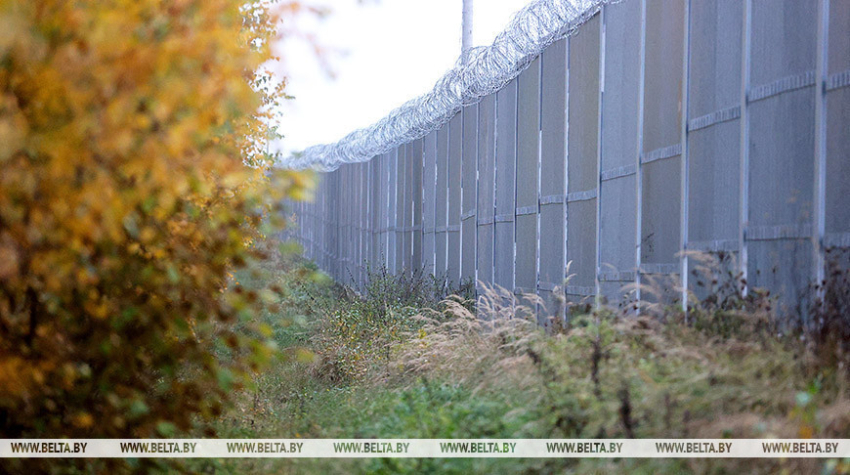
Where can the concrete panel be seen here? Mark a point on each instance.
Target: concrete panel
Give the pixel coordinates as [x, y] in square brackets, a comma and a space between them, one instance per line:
[661, 208]
[784, 36]
[375, 211]
[583, 176]
[714, 178]
[839, 40]
[328, 198]
[353, 215]
[317, 221]
[333, 225]
[663, 80]
[378, 211]
[454, 207]
[345, 219]
[342, 225]
[429, 202]
[528, 176]
[356, 188]
[362, 194]
[506, 130]
[365, 225]
[403, 219]
[581, 238]
[781, 147]
[553, 170]
[442, 201]
[321, 219]
[410, 204]
[339, 255]
[416, 190]
[782, 266]
[392, 221]
[714, 124]
[357, 195]
[619, 146]
[469, 194]
[837, 129]
[486, 188]
[332, 200]
[386, 206]
[715, 56]
[321, 215]
[661, 154]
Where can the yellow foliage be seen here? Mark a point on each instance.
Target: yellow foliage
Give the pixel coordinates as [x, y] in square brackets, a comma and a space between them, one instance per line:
[133, 181]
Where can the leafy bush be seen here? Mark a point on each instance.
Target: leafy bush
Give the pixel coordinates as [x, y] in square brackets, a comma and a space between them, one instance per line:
[132, 184]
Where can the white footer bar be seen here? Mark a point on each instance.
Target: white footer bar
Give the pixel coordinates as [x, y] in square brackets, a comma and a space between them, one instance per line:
[424, 448]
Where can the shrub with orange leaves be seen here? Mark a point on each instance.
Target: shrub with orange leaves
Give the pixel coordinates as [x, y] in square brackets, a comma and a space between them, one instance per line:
[132, 182]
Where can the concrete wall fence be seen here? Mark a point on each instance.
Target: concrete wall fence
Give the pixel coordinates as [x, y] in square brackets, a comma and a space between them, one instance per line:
[660, 126]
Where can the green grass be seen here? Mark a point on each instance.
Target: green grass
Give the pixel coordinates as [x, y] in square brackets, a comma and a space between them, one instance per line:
[396, 362]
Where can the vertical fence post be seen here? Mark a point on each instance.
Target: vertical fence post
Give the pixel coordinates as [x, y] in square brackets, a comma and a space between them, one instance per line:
[821, 74]
[638, 165]
[685, 170]
[744, 193]
[597, 287]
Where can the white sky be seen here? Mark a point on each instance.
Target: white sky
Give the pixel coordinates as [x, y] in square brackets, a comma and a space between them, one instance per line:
[390, 51]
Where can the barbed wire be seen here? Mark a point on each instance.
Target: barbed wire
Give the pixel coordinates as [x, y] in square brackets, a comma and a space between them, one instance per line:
[479, 72]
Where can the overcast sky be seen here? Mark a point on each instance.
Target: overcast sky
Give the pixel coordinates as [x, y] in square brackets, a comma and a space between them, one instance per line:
[389, 51]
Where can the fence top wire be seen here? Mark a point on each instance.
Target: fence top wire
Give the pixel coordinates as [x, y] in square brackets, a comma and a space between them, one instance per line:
[479, 72]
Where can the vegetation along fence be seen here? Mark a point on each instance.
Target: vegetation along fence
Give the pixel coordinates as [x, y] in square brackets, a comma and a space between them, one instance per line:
[656, 127]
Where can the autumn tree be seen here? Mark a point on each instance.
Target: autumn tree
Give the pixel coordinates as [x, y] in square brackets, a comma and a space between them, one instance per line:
[132, 183]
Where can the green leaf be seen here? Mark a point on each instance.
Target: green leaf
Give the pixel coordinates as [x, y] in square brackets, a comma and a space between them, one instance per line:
[225, 379]
[138, 408]
[173, 275]
[166, 429]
